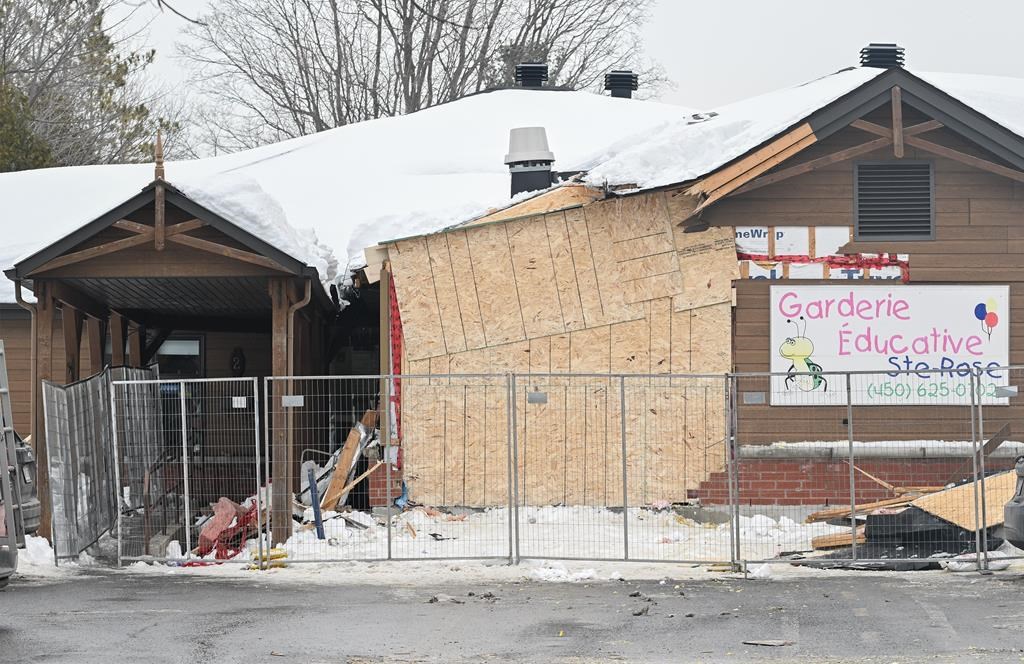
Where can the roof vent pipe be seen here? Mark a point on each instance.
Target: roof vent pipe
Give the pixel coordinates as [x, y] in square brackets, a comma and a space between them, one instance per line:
[531, 74]
[881, 56]
[621, 83]
[529, 159]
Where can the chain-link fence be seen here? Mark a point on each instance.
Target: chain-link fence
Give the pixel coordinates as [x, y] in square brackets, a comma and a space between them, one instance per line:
[895, 470]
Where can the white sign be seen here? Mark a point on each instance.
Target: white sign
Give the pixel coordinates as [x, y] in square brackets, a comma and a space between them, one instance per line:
[941, 332]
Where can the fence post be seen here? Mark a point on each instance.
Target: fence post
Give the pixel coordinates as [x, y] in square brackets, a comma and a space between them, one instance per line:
[853, 491]
[259, 484]
[731, 468]
[266, 492]
[625, 476]
[184, 466]
[975, 453]
[117, 468]
[385, 429]
[981, 480]
[513, 476]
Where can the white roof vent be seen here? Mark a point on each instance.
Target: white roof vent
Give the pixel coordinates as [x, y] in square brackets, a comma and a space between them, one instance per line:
[528, 144]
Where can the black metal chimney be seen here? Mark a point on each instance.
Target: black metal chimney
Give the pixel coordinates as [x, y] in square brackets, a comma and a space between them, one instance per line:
[529, 159]
[621, 83]
[531, 74]
[881, 56]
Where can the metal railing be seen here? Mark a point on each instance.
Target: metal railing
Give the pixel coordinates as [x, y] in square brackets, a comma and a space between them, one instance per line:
[827, 469]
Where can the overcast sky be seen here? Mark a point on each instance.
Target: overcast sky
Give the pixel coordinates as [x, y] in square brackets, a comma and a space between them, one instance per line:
[718, 51]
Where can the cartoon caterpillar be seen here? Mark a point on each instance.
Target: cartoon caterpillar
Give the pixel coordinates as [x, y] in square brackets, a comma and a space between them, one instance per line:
[798, 350]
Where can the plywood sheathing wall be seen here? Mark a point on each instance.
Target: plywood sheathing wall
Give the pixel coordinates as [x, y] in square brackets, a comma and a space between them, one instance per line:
[611, 288]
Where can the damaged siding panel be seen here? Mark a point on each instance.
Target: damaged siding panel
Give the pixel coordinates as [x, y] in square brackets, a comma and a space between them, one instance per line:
[600, 219]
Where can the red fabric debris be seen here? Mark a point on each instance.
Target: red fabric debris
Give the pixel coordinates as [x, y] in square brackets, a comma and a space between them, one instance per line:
[226, 531]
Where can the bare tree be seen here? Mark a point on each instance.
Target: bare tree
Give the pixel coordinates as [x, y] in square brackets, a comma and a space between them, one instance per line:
[282, 68]
[84, 89]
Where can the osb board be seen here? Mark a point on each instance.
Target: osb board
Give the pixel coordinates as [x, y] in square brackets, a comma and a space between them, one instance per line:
[710, 350]
[584, 267]
[417, 302]
[956, 505]
[601, 219]
[565, 271]
[496, 284]
[465, 287]
[444, 290]
[645, 250]
[556, 199]
[535, 277]
[708, 263]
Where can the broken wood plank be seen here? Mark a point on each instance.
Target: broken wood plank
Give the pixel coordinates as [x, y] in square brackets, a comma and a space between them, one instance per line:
[336, 489]
[957, 505]
[838, 540]
[839, 512]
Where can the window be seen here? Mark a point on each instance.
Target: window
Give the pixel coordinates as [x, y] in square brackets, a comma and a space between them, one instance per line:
[893, 200]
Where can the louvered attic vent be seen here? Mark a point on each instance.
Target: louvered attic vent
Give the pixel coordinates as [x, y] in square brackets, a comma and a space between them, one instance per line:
[894, 201]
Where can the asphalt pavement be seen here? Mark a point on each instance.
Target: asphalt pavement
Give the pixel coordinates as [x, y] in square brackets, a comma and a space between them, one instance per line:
[109, 616]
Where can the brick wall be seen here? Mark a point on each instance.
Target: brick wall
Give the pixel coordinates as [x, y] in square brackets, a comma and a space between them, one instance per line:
[827, 481]
[379, 486]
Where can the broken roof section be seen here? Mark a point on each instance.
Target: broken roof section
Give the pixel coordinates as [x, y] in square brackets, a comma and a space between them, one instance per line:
[696, 146]
[323, 198]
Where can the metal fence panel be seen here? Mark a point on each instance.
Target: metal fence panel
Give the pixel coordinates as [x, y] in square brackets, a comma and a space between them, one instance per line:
[883, 472]
[188, 470]
[80, 460]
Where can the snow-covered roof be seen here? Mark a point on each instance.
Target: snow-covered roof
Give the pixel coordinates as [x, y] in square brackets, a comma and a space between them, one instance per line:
[323, 198]
[698, 145]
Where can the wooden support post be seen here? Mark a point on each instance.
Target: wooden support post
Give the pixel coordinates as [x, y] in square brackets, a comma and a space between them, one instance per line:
[96, 332]
[159, 226]
[385, 336]
[71, 323]
[44, 371]
[280, 455]
[118, 337]
[897, 122]
[135, 335]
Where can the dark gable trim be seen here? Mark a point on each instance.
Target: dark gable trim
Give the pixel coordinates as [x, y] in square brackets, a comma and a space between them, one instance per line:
[143, 198]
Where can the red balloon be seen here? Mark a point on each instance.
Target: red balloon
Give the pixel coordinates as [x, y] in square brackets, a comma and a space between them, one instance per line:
[991, 319]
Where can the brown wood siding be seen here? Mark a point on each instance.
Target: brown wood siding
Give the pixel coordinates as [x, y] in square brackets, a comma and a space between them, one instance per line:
[979, 224]
[16, 333]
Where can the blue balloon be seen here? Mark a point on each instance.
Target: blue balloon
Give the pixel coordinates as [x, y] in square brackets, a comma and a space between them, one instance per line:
[980, 311]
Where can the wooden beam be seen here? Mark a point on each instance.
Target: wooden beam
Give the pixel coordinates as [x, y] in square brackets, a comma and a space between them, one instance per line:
[118, 337]
[280, 455]
[798, 137]
[153, 345]
[184, 227]
[71, 323]
[94, 252]
[879, 130]
[897, 122]
[45, 307]
[159, 209]
[77, 299]
[814, 164]
[752, 173]
[96, 333]
[132, 227]
[956, 155]
[230, 252]
[135, 335]
[142, 229]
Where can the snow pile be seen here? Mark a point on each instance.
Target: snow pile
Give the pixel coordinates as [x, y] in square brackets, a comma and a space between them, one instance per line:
[353, 186]
[588, 533]
[558, 572]
[1000, 98]
[242, 200]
